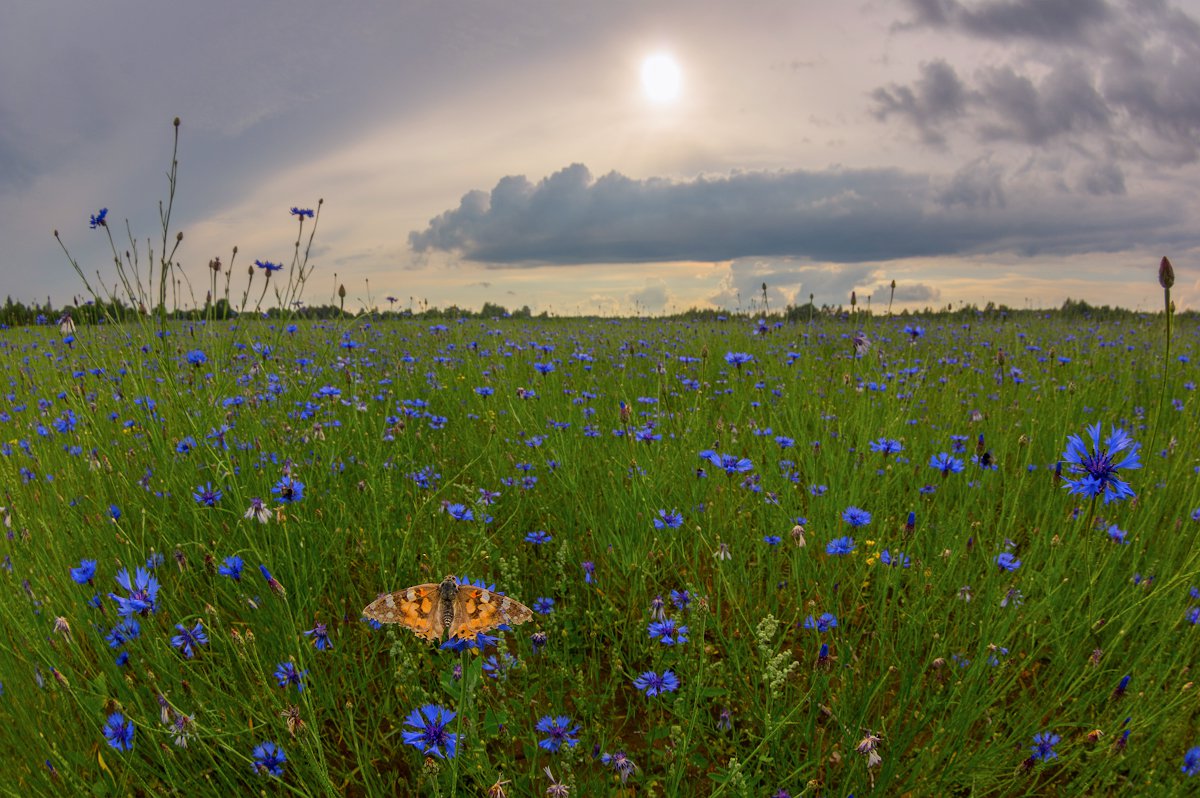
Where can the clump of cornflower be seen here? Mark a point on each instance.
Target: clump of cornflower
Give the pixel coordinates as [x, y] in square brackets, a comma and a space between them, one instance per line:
[538, 537]
[269, 759]
[187, 638]
[668, 632]
[856, 517]
[460, 512]
[119, 732]
[886, 446]
[196, 358]
[427, 731]
[287, 674]
[231, 568]
[143, 593]
[822, 623]
[560, 732]
[840, 546]
[1098, 465]
[85, 573]
[320, 637]
[258, 511]
[621, 764]
[1191, 761]
[1007, 561]
[668, 520]
[206, 495]
[1043, 746]
[653, 684]
[946, 463]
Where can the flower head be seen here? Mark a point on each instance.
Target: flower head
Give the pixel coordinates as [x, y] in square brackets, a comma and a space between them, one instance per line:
[427, 731]
[840, 546]
[84, 574]
[187, 638]
[621, 764]
[99, 219]
[287, 674]
[856, 517]
[652, 684]
[143, 593]
[1098, 465]
[1043, 746]
[824, 623]
[232, 568]
[560, 732]
[206, 495]
[320, 637]
[119, 732]
[269, 759]
[668, 632]
[1007, 561]
[1191, 761]
[288, 490]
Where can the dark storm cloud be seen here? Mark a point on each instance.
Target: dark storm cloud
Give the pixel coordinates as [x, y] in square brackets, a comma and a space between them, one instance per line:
[1116, 80]
[1054, 20]
[938, 96]
[836, 215]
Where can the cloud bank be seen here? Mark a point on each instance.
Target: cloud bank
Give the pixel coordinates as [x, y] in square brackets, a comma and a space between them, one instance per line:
[834, 215]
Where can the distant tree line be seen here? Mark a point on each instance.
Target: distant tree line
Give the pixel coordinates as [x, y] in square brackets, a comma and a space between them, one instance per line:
[15, 313]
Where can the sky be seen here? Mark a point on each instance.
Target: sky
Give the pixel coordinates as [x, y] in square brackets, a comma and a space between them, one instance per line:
[1014, 151]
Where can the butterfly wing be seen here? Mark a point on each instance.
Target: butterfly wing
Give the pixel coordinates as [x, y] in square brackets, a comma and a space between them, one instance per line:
[477, 610]
[415, 608]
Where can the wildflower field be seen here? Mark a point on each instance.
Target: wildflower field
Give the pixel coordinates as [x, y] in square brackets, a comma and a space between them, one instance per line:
[864, 555]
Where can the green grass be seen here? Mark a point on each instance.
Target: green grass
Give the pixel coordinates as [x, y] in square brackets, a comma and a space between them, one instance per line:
[364, 526]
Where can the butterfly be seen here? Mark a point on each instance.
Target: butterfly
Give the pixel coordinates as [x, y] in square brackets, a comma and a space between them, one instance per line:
[464, 610]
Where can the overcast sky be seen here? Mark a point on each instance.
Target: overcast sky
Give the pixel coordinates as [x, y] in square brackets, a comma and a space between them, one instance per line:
[1020, 151]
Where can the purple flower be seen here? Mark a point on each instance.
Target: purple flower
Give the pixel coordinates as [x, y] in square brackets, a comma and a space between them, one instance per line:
[560, 732]
[1043, 746]
[653, 684]
[840, 546]
[232, 568]
[287, 674]
[119, 732]
[668, 632]
[856, 517]
[143, 593]
[98, 219]
[1007, 561]
[187, 638]
[823, 623]
[428, 733]
[320, 636]
[269, 758]
[84, 574]
[668, 520]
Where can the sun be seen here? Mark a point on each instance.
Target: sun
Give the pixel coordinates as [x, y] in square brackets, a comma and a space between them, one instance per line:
[661, 78]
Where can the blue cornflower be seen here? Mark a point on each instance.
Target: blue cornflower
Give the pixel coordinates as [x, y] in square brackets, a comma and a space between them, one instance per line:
[668, 520]
[823, 623]
[320, 636]
[560, 730]
[497, 667]
[196, 357]
[652, 684]
[668, 632]
[589, 571]
[887, 446]
[287, 674]
[123, 632]
[840, 546]
[143, 593]
[731, 464]
[84, 574]
[543, 606]
[1098, 466]
[1043, 746]
[460, 512]
[119, 732]
[538, 538]
[682, 599]
[288, 490]
[621, 764]
[114, 512]
[856, 517]
[268, 266]
[897, 559]
[302, 212]
[914, 330]
[206, 495]
[1007, 561]
[738, 358]
[1116, 534]
[430, 736]
[98, 219]
[1191, 761]
[232, 568]
[946, 463]
[772, 540]
[272, 582]
[544, 368]
[188, 638]
[269, 758]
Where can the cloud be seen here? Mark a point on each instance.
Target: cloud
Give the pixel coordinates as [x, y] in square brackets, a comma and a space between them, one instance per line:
[1053, 20]
[789, 282]
[937, 97]
[1118, 80]
[652, 297]
[834, 215]
[905, 293]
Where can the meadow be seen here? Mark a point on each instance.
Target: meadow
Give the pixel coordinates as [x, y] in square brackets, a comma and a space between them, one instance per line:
[853, 555]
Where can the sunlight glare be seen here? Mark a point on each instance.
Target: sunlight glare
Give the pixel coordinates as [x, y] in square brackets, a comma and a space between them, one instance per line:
[661, 78]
